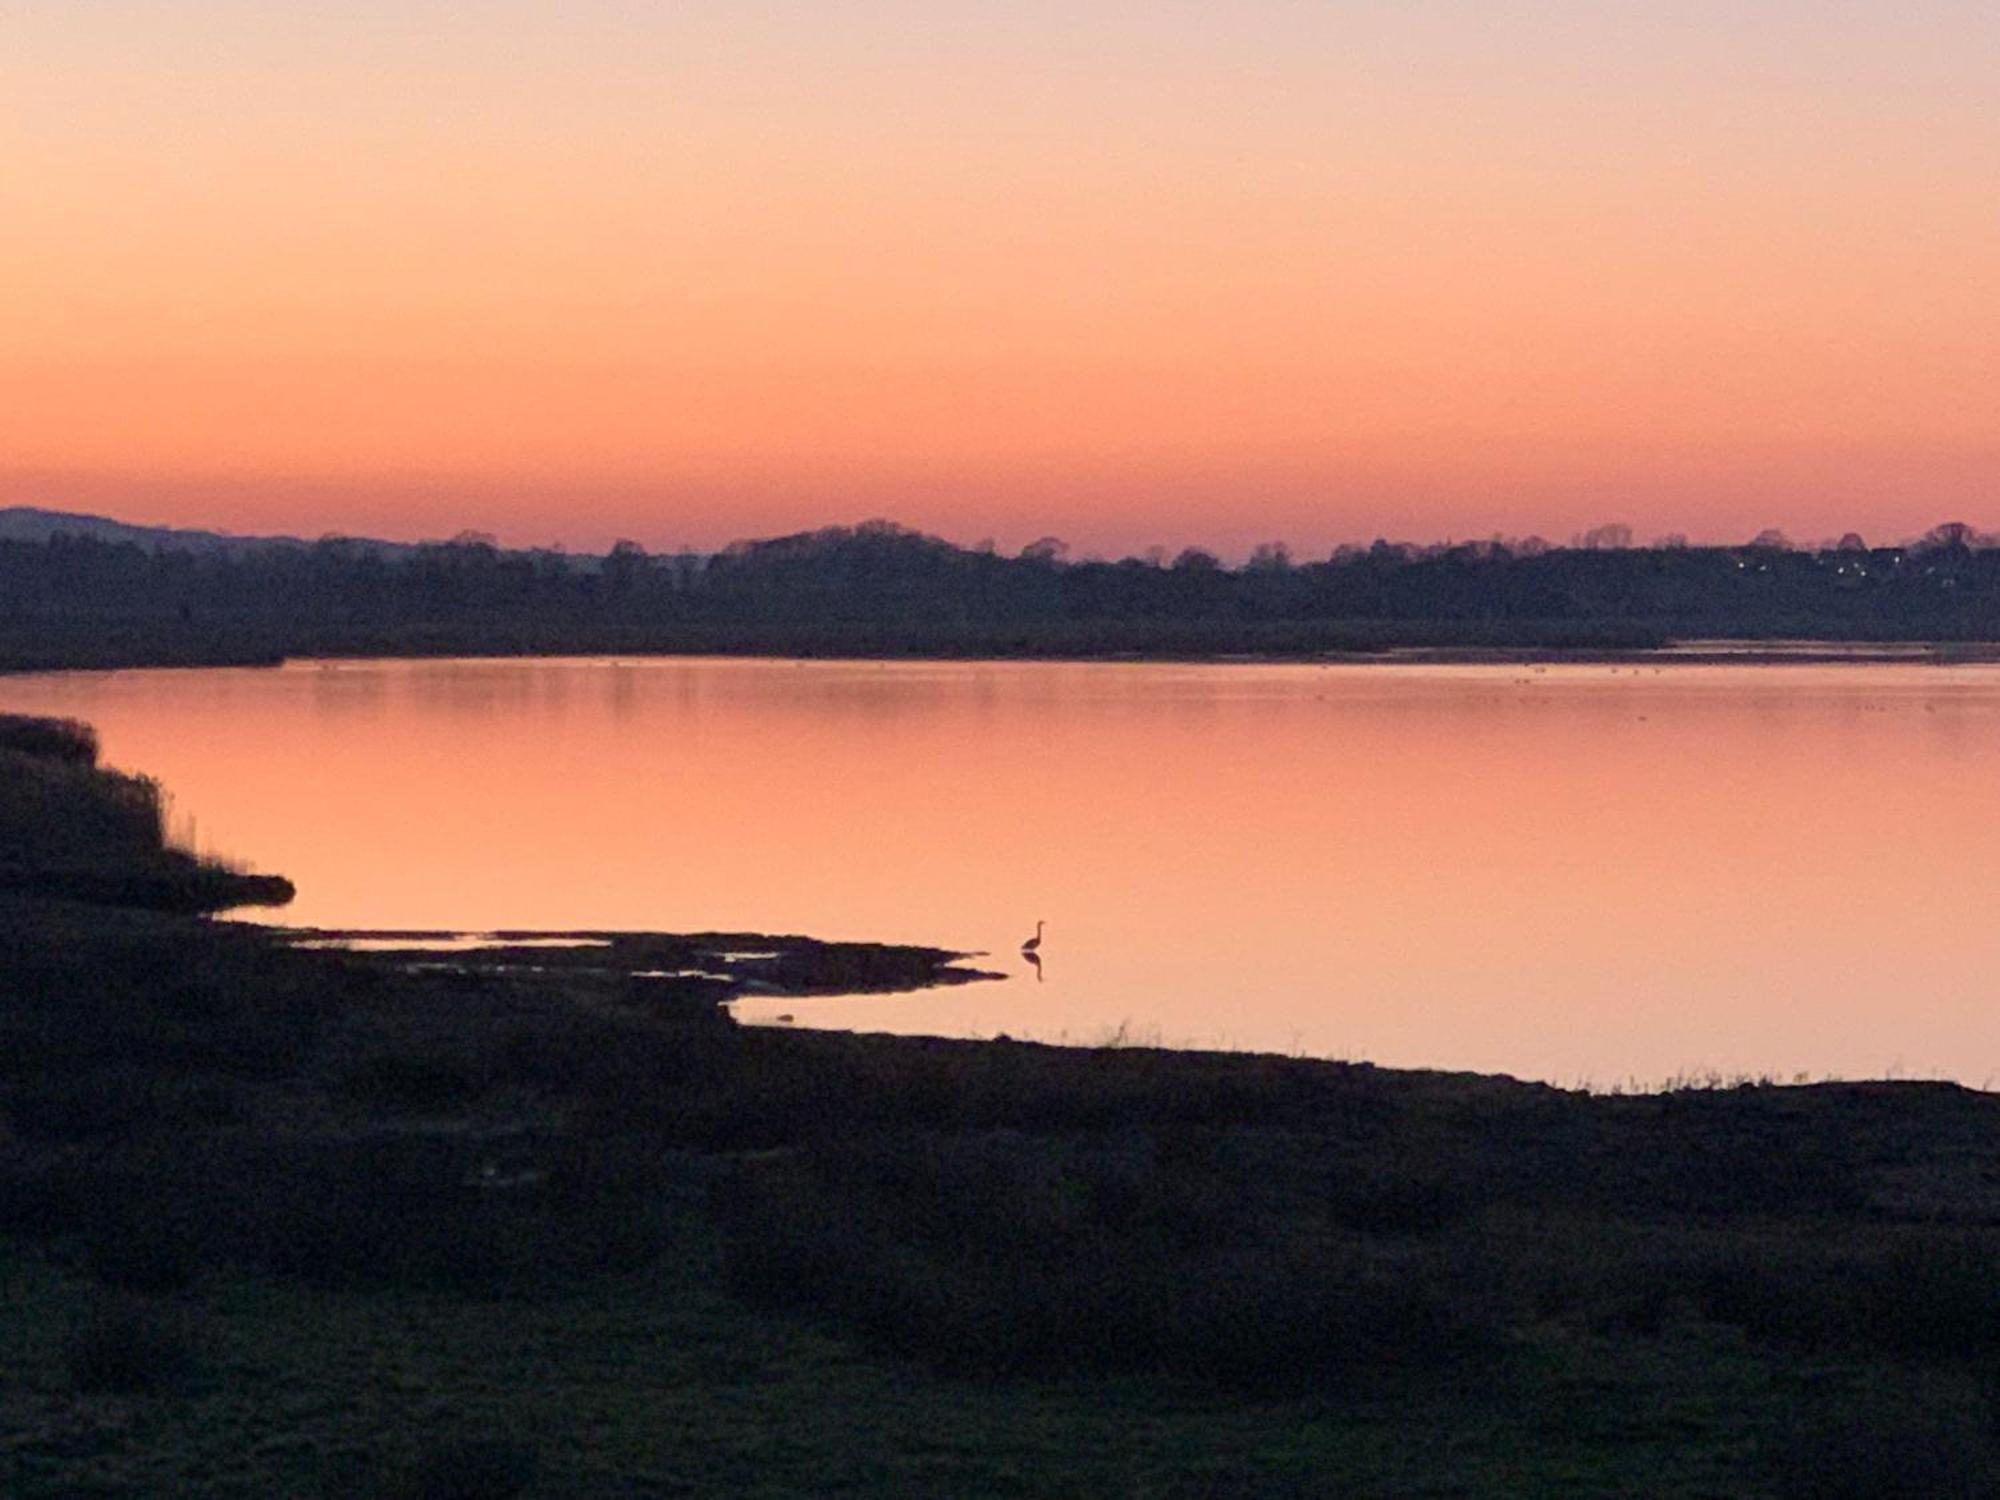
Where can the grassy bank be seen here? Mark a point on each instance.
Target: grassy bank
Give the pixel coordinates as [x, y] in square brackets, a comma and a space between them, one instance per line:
[70, 827]
[285, 1221]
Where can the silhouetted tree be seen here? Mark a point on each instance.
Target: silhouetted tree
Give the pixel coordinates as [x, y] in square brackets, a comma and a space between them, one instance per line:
[625, 567]
[1951, 536]
[882, 588]
[1613, 536]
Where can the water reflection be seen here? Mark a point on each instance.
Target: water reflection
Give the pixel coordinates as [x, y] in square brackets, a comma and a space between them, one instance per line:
[1569, 873]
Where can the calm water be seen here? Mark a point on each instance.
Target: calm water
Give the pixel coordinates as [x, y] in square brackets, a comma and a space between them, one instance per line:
[1578, 873]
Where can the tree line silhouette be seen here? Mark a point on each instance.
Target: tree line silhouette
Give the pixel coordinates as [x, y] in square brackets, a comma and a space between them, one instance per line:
[881, 589]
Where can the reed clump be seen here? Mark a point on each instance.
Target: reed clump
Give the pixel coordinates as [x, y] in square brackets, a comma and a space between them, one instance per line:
[72, 828]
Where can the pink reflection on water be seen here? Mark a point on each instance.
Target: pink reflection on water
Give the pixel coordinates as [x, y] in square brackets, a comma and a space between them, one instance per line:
[1569, 873]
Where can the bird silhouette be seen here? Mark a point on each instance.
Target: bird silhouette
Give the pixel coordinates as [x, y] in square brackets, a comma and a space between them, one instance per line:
[1034, 943]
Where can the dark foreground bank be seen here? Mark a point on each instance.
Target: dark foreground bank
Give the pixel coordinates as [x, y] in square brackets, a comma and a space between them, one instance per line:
[280, 1220]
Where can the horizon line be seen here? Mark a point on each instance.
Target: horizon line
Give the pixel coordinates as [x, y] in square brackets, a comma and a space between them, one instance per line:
[1607, 537]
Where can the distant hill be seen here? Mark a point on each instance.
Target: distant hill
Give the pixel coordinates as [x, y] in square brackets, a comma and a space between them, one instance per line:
[27, 523]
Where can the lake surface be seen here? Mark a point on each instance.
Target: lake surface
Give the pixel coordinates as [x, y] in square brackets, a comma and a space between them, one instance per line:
[1583, 873]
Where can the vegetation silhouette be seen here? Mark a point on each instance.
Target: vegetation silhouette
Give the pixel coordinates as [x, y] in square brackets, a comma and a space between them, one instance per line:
[71, 827]
[878, 589]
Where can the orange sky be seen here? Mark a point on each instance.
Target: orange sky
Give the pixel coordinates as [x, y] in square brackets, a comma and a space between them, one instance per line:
[1171, 273]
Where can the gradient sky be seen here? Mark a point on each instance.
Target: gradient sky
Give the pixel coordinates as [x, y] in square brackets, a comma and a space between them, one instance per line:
[1130, 273]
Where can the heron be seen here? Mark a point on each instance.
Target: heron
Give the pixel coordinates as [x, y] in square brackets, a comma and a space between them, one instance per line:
[1035, 942]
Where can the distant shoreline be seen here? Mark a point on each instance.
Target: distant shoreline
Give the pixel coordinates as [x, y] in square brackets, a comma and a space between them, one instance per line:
[879, 592]
[1677, 653]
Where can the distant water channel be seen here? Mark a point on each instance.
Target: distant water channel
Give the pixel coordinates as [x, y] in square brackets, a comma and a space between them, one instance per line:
[1579, 873]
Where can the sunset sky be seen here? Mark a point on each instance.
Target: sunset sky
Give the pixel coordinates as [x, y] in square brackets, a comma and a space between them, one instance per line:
[1129, 273]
